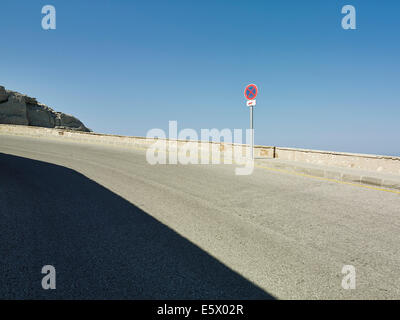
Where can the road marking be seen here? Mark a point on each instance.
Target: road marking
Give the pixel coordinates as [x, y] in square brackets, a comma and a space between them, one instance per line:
[328, 179]
[309, 176]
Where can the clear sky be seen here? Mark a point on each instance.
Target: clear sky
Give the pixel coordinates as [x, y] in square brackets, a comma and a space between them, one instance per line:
[125, 67]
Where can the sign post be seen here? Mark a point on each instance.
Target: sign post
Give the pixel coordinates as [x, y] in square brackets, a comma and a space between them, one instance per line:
[252, 133]
[250, 92]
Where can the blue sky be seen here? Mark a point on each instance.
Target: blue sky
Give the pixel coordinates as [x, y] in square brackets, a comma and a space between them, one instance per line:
[125, 67]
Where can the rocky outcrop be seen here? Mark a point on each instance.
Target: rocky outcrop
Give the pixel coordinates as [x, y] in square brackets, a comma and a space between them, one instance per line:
[16, 108]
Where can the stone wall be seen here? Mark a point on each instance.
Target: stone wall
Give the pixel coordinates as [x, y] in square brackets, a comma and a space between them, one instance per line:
[374, 163]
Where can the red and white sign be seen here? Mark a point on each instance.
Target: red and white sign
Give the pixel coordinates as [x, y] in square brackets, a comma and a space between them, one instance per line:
[251, 92]
[251, 103]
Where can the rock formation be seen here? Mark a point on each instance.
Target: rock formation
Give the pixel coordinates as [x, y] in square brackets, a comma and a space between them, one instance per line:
[16, 108]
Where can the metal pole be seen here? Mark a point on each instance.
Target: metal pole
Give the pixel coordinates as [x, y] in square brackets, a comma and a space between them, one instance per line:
[252, 134]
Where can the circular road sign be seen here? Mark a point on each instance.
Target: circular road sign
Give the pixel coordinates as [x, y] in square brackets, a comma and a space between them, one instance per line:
[251, 92]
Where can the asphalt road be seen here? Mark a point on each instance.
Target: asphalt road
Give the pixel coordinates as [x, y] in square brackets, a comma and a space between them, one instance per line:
[115, 227]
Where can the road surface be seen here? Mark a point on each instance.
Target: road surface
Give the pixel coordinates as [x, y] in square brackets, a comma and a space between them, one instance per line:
[115, 227]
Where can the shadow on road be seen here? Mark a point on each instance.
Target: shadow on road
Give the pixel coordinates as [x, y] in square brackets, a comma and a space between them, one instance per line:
[101, 245]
